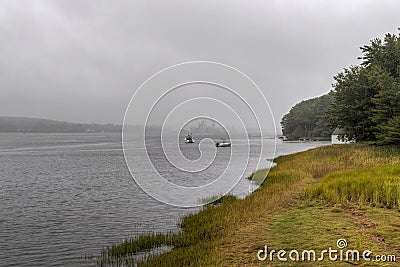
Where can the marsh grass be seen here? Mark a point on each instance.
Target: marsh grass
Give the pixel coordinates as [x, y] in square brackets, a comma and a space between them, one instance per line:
[194, 245]
[229, 232]
[137, 249]
[378, 186]
[214, 201]
[258, 176]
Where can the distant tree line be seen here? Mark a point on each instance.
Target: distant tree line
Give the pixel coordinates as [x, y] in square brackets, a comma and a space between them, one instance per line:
[367, 97]
[307, 119]
[34, 125]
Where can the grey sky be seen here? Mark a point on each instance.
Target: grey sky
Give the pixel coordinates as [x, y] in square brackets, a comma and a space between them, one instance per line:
[82, 60]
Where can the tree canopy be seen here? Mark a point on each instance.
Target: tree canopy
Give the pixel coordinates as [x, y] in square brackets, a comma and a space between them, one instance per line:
[307, 119]
[367, 97]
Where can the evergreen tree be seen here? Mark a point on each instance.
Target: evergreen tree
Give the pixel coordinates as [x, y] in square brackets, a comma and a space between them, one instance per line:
[352, 107]
[367, 97]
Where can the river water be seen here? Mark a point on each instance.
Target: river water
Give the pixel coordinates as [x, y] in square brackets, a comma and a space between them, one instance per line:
[64, 196]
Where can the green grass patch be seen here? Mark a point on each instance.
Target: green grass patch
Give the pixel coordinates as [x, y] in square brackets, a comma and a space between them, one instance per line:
[378, 186]
[387, 225]
[316, 226]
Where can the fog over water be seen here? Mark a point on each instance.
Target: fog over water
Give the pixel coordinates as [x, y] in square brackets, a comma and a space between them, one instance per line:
[81, 61]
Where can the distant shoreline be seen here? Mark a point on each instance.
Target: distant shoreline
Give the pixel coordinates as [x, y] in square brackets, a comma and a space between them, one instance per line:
[36, 125]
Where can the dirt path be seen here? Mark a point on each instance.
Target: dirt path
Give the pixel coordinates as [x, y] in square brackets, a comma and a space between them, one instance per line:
[365, 225]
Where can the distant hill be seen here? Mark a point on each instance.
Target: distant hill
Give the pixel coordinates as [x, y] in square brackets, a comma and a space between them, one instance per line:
[35, 125]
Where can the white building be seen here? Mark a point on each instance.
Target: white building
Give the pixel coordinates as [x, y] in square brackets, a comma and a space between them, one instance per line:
[337, 135]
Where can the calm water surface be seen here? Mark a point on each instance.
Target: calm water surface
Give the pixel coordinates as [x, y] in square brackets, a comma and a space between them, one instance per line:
[66, 195]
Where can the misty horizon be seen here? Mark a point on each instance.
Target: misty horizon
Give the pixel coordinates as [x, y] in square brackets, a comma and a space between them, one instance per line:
[79, 62]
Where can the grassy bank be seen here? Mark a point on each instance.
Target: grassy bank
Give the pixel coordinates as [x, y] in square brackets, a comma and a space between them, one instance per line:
[308, 201]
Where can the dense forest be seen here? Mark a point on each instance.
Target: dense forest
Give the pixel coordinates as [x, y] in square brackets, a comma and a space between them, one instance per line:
[367, 97]
[307, 119]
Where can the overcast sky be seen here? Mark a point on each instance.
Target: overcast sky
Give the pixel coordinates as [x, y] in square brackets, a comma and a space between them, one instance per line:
[81, 61]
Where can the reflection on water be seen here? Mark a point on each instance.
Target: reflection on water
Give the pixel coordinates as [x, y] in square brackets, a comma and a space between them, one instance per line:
[66, 195]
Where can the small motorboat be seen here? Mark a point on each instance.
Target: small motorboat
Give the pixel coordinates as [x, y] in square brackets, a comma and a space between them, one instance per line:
[223, 143]
[189, 139]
